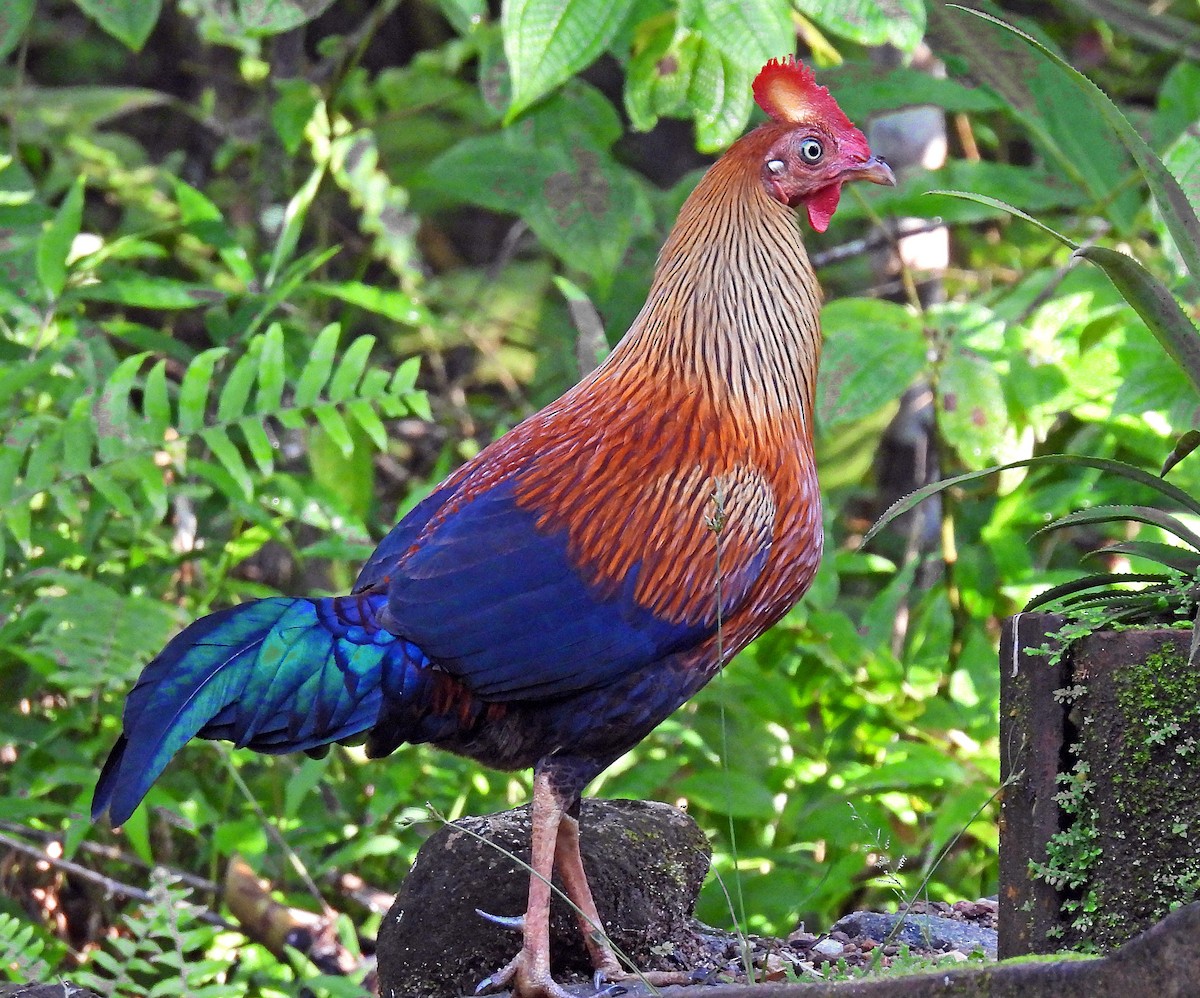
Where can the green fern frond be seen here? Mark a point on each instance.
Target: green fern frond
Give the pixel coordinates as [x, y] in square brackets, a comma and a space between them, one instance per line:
[27, 951]
[162, 951]
[120, 440]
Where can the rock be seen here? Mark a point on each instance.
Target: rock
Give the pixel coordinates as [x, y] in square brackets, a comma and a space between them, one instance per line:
[921, 931]
[63, 989]
[1163, 962]
[828, 949]
[645, 862]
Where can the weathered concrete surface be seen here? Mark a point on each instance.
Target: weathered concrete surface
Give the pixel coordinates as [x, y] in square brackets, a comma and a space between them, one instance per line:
[645, 861]
[1163, 962]
[1033, 751]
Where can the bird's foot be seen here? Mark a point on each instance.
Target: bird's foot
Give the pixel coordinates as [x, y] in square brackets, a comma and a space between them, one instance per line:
[526, 977]
[611, 980]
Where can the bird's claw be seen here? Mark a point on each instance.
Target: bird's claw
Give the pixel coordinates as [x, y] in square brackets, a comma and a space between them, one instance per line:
[515, 922]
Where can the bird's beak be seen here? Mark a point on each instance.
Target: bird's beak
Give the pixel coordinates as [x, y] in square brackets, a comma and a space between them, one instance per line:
[875, 170]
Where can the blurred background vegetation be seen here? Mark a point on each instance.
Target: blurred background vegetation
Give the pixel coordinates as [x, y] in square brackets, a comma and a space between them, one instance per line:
[270, 268]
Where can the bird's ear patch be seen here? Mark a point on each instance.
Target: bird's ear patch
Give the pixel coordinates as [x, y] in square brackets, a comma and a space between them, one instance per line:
[787, 90]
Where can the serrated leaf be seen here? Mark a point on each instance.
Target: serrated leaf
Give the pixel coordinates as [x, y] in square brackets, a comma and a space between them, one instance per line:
[15, 16]
[659, 75]
[555, 170]
[128, 21]
[750, 31]
[194, 389]
[273, 17]
[547, 42]
[870, 22]
[1184, 446]
[1148, 296]
[721, 96]
[1167, 490]
[350, 370]
[57, 236]
[1178, 213]
[318, 367]
[1122, 512]
[874, 350]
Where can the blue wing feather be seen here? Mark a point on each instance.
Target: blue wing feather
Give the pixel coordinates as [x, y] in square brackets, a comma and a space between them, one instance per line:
[496, 601]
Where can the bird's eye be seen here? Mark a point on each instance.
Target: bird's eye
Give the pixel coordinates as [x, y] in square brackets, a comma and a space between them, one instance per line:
[775, 166]
[811, 150]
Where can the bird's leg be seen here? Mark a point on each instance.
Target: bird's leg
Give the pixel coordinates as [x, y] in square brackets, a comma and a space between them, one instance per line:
[529, 971]
[569, 863]
[575, 884]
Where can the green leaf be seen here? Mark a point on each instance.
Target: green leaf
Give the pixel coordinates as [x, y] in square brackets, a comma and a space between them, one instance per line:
[870, 22]
[193, 391]
[751, 31]
[235, 394]
[973, 415]
[659, 75]
[156, 401]
[262, 18]
[319, 366]
[720, 92]
[554, 169]
[1122, 513]
[272, 376]
[128, 21]
[1184, 446]
[1148, 296]
[138, 290]
[874, 350]
[350, 371]
[259, 444]
[399, 306]
[1177, 212]
[112, 407]
[293, 221]
[204, 220]
[15, 16]
[58, 234]
[229, 456]
[1166, 489]
[547, 42]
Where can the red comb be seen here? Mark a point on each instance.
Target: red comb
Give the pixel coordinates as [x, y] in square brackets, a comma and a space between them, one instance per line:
[788, 92]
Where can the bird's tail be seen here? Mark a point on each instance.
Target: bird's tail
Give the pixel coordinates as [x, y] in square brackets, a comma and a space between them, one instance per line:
[276, 675]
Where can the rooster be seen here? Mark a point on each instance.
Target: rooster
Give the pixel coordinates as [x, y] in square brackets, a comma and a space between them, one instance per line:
[564, 591]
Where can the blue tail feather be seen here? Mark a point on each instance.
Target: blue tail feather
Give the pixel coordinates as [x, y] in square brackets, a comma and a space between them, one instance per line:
[275, 675]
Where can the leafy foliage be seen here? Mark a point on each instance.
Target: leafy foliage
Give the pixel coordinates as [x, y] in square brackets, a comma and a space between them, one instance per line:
[289, 263]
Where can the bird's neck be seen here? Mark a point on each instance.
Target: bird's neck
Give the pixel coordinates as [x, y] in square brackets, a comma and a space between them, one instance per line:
[733, 311]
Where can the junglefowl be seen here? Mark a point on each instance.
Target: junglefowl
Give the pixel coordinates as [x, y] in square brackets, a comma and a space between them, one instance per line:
[569, 587]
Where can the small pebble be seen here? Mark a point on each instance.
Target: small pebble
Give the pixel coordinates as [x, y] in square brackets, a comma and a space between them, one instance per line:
[829, 949]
